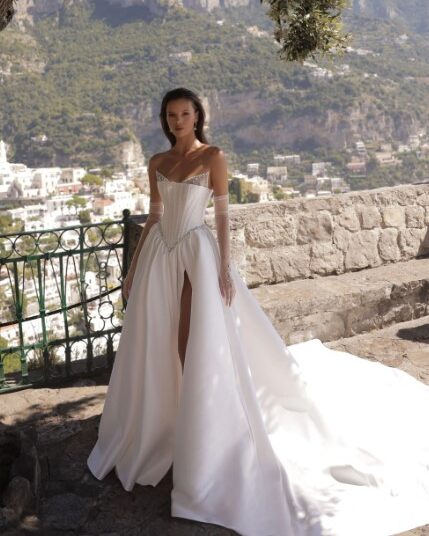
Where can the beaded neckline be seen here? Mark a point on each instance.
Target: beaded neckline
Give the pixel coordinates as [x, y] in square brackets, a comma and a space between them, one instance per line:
[193, 179]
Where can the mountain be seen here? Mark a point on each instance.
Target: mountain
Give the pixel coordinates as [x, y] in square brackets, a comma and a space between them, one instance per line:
[411, 13]
[82, 79]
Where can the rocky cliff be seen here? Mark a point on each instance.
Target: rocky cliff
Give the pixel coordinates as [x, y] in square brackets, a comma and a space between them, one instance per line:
[414, 13]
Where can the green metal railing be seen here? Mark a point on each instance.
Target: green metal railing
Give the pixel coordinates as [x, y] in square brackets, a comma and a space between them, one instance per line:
[61, 303]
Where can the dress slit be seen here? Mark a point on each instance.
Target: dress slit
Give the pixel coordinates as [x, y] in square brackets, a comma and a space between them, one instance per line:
[188, 319]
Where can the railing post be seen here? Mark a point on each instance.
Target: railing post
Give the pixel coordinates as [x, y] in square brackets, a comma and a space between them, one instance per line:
[126, 221]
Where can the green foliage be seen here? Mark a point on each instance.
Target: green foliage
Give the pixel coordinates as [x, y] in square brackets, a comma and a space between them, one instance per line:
[76, 201]
[92, 180]
[278, 193]
[307, 27]
[7, 11]
[84, 216]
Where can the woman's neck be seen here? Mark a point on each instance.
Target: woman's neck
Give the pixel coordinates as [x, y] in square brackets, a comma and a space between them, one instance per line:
[186, 147]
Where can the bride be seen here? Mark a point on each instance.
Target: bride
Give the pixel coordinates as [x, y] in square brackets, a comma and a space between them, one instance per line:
[263, 438]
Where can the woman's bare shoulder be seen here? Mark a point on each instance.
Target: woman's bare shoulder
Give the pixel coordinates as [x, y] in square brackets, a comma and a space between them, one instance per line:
[215, 155]
[158, 157]
[213, 152]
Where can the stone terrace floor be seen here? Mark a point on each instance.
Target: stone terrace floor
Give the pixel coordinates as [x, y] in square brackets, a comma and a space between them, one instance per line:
[66, 419]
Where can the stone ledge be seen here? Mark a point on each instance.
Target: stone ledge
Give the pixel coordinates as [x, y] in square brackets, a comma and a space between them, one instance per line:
[336, 306]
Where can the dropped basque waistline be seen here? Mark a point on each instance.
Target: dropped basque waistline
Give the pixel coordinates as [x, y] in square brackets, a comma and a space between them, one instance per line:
[172, 246]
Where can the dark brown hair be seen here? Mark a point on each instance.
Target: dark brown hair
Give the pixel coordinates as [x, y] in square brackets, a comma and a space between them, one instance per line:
[183, 93]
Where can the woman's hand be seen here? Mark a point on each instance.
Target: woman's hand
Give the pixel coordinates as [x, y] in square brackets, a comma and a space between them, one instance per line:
[226, 285]
[128, 281]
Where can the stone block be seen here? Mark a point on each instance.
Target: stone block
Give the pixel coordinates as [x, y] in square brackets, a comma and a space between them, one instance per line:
[348, 219]
[363, 251]
[326, 259]
[314, 227]
[271, 232]
[258, 267]
[291, 263]
[393, 216]
[415, 217]
[388, 245]
[342, 238]
[370, 217]
[410, 241]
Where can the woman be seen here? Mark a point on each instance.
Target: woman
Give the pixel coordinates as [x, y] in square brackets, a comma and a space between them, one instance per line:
[265, 439]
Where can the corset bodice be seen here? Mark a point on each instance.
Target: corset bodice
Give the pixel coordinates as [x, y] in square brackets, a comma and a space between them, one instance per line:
[184, 205]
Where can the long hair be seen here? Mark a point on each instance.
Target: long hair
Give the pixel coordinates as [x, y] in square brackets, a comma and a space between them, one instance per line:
[183, 93]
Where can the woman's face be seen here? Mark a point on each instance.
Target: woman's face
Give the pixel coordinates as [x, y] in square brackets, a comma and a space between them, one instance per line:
[181, 117]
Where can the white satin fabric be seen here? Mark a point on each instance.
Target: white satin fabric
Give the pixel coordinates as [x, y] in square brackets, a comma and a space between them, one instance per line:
[267, 440]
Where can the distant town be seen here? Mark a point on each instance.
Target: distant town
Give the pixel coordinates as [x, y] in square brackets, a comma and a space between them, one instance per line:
[74, 195]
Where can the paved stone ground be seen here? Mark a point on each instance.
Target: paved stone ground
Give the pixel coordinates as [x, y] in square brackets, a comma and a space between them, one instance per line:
[404, 346]
[76, 503]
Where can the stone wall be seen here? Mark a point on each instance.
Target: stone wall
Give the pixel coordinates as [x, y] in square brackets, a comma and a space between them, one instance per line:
[308, 238]
[303, 238]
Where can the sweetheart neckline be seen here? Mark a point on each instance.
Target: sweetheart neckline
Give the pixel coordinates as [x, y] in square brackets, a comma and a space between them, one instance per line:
[184, 180]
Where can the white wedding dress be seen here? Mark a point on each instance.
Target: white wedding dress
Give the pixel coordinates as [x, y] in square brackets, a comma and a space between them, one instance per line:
[266, 439]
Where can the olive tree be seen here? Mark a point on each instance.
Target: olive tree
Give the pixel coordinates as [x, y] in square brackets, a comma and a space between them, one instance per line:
[7, 11]
[304, 28]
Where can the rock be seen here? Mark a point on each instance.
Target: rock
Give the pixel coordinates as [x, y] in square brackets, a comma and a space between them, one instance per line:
[370, 217]
[349, 219]
[66, 511]
[393, 216]
[410, 241]
[326, 259]
[84, 382]
[414, 217]
[388, 245]
[341, 238]
[8, 516]
[316, 226]
[272, 232]
[10, 447]
[18, 495]
[27, 464]
[364, 252]
[294, 263]
[258, 268]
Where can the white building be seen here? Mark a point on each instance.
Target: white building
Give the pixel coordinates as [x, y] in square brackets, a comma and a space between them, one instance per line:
[253, 169]
[318, 169]
[414, 142]
[277, 174]
[46, 180]
[291, 158]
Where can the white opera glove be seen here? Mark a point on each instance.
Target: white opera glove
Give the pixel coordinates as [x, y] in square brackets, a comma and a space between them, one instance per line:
[226, 285]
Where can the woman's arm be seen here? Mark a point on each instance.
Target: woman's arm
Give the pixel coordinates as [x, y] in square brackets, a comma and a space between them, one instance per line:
[156, 208]
[219, 176]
